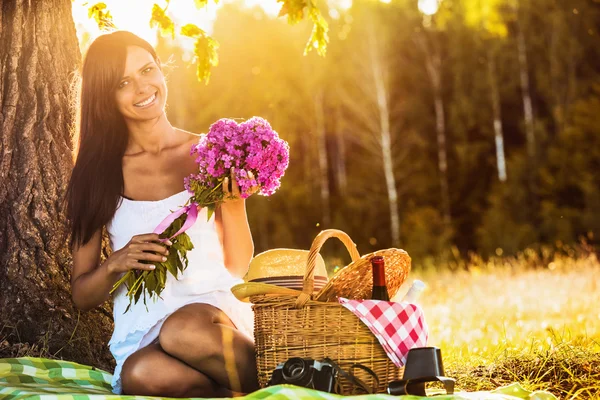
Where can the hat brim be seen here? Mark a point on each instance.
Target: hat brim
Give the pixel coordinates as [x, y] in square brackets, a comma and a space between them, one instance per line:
[244, 291]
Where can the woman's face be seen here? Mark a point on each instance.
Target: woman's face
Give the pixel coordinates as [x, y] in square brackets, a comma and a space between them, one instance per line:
[142, 92]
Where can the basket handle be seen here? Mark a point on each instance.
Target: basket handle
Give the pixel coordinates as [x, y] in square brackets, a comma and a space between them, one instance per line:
[311, 263]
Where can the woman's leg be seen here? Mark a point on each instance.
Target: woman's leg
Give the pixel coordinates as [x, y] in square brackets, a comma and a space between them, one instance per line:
[204, 337]
[152, 372]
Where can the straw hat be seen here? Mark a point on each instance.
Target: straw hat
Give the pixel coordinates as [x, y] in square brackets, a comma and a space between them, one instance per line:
[279, 272]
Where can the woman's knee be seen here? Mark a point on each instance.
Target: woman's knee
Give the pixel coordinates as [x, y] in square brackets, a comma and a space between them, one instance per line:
[191, 328]
[152, 372]
[137, 377]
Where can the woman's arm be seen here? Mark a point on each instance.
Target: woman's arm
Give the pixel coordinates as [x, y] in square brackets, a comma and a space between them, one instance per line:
[90, 281]
[234, 231]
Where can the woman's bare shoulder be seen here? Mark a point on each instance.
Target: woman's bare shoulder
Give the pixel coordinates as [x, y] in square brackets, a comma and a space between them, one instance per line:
[190, 137]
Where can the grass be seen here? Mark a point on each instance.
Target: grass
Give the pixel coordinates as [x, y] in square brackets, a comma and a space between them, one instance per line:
[533, 318]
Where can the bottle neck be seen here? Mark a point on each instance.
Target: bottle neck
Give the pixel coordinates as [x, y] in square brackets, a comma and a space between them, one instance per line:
[378, 275]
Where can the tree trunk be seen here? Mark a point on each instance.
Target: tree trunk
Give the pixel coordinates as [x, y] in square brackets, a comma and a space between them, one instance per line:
[497, 115]
[38, 54]
[322, 155]
[525, 90]
[433, 65]
[342, 179]
[385, 137]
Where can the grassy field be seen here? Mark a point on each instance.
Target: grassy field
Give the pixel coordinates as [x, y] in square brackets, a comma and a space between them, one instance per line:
[533, 319]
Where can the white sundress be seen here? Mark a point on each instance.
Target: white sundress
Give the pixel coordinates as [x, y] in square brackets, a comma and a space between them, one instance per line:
[205, 280]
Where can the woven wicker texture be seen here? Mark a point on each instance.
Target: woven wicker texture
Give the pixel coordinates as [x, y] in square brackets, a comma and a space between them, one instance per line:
[317, 330]
[290, 326]
[356, 280]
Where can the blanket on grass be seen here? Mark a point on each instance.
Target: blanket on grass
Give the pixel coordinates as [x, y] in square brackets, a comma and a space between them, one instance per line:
[40, 378]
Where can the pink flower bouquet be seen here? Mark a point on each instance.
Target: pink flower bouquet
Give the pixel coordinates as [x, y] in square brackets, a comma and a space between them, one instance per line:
[255, 151]
[259, 158]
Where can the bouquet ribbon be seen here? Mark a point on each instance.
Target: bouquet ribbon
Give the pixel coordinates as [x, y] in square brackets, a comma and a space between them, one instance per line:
[192, 215]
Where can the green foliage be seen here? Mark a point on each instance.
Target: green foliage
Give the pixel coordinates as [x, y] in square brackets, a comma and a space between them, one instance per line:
[139, 283]
[427, 233]
[487, 16]
[203, 3]
[161, 19]
[318, 38]
[268, 76]
[205, 51]
[205, 47]
[294, 9]
[101, 15]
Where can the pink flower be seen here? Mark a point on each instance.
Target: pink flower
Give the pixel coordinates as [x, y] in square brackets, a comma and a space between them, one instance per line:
[252, 146]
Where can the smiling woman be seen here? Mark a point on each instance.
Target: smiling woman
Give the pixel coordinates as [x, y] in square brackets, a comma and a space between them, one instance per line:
[142, 90]
[128, 176]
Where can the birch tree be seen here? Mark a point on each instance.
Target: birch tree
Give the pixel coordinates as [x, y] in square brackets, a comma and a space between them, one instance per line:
[426, 39]
[367, 102]
[490, 26]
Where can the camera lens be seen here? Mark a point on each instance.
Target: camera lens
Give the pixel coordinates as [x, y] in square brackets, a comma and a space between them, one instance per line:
[296, 371]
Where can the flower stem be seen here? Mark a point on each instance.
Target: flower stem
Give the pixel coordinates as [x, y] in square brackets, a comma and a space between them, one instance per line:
[120, 281]
[137, 283]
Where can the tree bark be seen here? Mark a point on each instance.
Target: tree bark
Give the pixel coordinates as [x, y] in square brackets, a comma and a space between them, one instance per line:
[433, 65]
[342, 179]
[497, 115]
[385, 136]
[38, 54]
[526, 94]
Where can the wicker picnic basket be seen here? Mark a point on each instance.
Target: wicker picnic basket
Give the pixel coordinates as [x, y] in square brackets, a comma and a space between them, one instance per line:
[317, 326]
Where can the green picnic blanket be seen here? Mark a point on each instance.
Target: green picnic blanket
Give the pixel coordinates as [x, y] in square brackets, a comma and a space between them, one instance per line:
[40, 378]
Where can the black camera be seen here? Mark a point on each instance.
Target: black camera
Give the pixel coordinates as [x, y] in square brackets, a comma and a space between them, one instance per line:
[306, 372]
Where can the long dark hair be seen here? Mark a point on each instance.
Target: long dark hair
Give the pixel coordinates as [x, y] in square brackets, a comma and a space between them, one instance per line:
[100, 137]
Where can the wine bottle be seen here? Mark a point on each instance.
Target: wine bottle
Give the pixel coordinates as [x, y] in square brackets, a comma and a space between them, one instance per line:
[412, 294]
[380, 291]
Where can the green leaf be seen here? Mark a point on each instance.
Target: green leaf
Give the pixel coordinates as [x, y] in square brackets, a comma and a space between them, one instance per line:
[210, 210]
[185, 242]
[161, 19]
[171, 263]
[97, 8]
[191, 30]
[179, 263]
[153, 282]
[203, 3]
[102, 16]
[120, 281]
[205, 51]
[319, 36]
[294, 9]
[137, 294]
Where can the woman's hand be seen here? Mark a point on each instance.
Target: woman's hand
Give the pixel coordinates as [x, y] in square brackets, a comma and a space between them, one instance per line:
[233, 195]
[145, 247]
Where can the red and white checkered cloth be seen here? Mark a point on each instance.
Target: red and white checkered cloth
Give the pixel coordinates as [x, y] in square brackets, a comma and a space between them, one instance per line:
[398, 326]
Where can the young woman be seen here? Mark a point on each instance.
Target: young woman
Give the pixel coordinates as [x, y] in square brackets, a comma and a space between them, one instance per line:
[196, 340]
